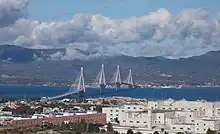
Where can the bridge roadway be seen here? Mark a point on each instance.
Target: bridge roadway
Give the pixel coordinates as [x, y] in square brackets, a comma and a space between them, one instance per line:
[75, 92]
[61, 96]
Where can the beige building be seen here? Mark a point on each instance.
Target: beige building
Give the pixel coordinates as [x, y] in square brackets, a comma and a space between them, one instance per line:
[173, 116]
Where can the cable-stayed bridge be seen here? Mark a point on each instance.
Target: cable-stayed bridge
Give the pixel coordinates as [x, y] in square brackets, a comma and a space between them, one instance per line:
[116, 81]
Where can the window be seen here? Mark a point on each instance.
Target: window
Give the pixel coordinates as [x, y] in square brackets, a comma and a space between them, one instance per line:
[111, 110]
[124, 121]
[134, 107]
[159, 117]
[145, 122]
[190, 115]
[131, 121]
[158, 121]
[155, 121]
[138, 122]
[116, 110]
[192, 121]
[188, 129]
[140, 107]
[111, 114]
[181, 128]
[122, 110]
[197, 128]
[176, 108]
[116, 115]
[195, 109]
[174, 127]
[197, 123]
[204, 124]
[128, 107]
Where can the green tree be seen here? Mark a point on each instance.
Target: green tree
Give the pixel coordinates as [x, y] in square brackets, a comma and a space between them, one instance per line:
[209, 131]
[156, 132]
[110, 128]
[116, 132]
[78, 132]
[130, 131]
[116, 120]
[102, 131]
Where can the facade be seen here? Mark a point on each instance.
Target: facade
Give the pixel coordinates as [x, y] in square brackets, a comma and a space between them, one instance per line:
[88, 118]
[170, 115]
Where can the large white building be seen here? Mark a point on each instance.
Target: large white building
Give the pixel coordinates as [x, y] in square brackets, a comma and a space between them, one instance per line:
[170, 115]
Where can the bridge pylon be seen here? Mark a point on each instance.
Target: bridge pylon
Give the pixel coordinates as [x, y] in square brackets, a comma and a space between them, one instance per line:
[129, 80]
[100, 79]
[117, 81]
[81, 83]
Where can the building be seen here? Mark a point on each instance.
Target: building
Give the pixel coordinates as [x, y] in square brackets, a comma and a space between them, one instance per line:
[88, 118]
[170, 115]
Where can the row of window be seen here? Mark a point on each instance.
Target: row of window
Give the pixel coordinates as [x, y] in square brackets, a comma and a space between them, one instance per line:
[182, 128]
[181, 109]
[136, 121]
[112, 115]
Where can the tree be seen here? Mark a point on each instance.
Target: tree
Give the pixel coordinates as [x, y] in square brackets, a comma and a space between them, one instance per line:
[209, 131]
[116, 120]
[102, 131]
[116, 132]
[130, 131]
[98, 108]
[78, 132]
[156, 132]
[110, 128]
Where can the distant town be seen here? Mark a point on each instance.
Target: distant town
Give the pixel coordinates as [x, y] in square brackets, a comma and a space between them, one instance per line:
[12, 80]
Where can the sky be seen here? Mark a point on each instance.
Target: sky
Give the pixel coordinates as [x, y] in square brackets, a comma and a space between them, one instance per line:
[93, 28]
[64, 9]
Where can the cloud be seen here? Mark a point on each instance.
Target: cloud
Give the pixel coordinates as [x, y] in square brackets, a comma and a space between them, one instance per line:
[86, 36]
[11, 10]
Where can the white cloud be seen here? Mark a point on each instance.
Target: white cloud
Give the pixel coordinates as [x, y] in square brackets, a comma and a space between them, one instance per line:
[85, 36]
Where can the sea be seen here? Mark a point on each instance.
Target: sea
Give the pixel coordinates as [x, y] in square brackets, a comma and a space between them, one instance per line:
[37, 92]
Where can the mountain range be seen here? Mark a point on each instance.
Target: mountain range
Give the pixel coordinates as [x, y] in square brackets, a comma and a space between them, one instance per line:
[20, 65]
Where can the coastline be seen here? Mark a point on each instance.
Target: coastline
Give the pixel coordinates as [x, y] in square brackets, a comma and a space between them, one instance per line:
[156, 87]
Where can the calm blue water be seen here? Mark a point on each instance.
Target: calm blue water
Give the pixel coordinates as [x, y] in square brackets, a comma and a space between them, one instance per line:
[20, 92]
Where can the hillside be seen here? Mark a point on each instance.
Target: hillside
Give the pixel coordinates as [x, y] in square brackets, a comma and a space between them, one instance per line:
[25, 69]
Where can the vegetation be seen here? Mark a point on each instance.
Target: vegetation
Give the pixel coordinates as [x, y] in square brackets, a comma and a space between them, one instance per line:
[179, 133]
[70, 128]
[138, 133]
[156, 132]
[209, 131]
[130, 131]
[23, 110]
[110, 128]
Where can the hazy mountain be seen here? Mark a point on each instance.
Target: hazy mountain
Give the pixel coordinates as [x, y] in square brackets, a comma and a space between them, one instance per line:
[25, 69]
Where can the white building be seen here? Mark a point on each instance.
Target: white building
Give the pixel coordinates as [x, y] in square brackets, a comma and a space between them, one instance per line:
[202, 125]
[173, 116]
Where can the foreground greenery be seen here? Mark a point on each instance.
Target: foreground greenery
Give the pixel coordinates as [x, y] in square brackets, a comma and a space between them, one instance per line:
[57, 129]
